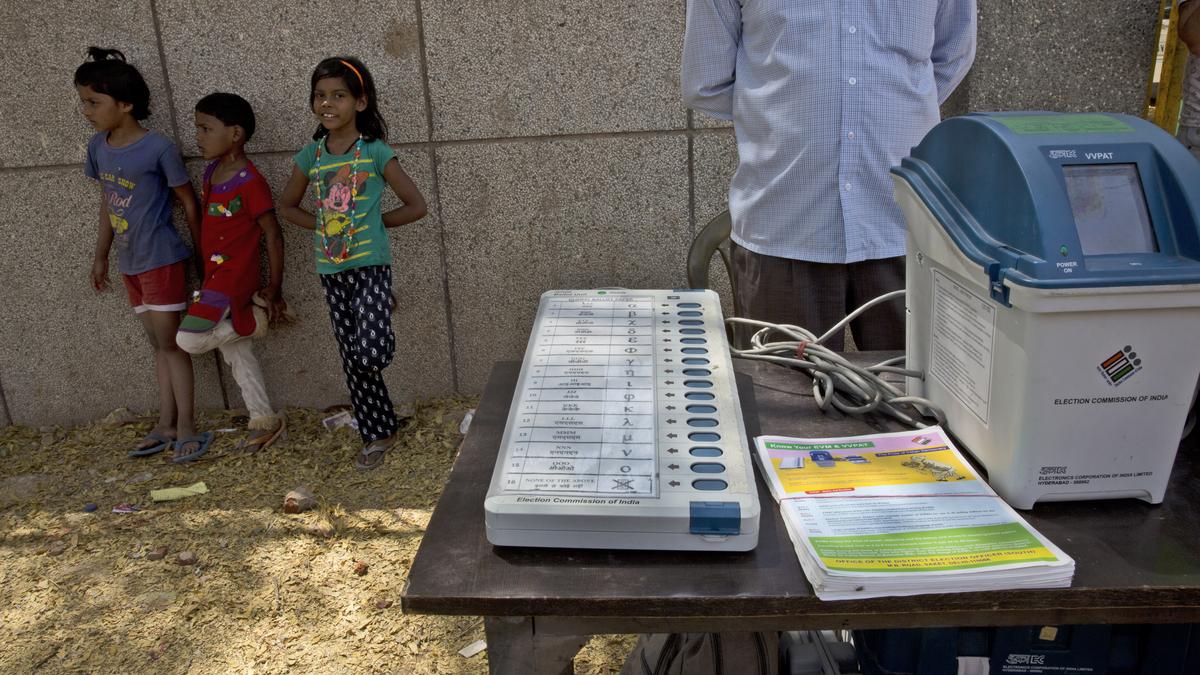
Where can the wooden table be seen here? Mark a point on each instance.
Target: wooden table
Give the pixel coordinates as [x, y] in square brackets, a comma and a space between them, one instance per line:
[1135, 562]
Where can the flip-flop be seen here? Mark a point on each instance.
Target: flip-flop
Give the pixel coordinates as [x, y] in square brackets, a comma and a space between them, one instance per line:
[162, 443]
[202, 440]
[380, 447]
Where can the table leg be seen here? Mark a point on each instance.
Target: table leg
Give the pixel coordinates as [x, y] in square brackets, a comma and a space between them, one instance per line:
[515, 647]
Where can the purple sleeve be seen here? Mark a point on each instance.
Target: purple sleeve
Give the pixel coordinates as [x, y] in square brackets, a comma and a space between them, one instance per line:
[172, 166]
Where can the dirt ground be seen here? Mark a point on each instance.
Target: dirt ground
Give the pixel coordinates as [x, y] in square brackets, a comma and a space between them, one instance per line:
[269, 592]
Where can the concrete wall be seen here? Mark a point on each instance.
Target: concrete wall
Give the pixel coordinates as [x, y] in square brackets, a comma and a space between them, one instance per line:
[547, 136]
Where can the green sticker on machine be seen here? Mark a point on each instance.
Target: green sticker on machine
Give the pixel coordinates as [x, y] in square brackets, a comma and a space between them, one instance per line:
[1064, 124]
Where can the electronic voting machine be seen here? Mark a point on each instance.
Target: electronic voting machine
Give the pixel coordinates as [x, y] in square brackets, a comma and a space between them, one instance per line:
[625, 429]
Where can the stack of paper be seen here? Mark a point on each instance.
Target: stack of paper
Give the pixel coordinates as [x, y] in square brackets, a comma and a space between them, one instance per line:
[901, 514]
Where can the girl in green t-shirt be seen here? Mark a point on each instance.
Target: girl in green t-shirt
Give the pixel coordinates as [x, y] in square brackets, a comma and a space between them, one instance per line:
[349, 164]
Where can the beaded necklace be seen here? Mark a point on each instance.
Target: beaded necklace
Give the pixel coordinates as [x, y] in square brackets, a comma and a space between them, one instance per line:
[348, 231]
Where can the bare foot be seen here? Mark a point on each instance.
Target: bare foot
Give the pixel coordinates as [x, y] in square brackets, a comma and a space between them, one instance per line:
[156, 440]
[191, 448]
[260, 439]
[188, 447]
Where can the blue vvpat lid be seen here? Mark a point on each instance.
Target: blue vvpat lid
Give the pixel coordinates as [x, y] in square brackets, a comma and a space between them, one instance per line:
[1053, 200]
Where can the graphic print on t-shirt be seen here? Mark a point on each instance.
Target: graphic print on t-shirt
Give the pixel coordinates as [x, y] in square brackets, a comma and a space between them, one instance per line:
[228, 210]
[118, 195]
[336, 206]
[346, 226]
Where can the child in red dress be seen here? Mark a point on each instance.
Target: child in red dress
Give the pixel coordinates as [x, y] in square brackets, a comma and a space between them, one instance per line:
[237, 212]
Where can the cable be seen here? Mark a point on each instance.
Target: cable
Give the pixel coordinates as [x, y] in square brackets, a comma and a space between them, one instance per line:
[837, 383]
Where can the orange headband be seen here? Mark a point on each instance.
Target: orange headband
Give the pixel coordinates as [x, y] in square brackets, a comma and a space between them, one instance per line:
[361, 84]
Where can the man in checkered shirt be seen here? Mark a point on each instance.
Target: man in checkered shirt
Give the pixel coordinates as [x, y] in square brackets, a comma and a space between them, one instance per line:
[825, 97]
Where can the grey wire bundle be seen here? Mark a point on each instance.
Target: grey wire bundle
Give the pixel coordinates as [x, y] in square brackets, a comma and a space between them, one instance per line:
[837, 383]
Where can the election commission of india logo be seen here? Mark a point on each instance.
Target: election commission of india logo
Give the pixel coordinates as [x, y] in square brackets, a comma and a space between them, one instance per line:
[1120, 366]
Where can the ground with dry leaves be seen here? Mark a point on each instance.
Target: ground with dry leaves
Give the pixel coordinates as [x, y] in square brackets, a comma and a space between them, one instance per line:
[268, 591]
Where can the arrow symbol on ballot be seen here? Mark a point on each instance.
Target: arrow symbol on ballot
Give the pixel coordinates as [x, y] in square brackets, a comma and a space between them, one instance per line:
[669, 395]
[672, 435]
[670, 407]
[672, 421]
[672, 466]
[672, 450]
[669, 382]
[674, 483]
[668, 371]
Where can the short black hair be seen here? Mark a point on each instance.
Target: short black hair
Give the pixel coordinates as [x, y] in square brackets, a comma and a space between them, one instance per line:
[108, 73]
[231, 109]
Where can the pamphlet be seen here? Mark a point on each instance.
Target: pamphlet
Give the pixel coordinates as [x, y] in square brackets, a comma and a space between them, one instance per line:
[901, 513]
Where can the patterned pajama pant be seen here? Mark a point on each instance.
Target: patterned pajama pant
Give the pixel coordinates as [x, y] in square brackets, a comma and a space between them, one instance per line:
[360, 306]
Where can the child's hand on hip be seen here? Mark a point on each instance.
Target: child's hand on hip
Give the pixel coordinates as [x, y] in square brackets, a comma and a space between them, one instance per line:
[100, 281]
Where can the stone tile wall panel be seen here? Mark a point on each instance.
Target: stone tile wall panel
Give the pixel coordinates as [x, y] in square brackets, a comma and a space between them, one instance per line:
[522, 218]
[43, 45]
[499, 68]
[266, 52]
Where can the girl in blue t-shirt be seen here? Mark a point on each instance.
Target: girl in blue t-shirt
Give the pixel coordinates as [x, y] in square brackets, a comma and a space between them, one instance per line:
[138, 170]
[349, 163]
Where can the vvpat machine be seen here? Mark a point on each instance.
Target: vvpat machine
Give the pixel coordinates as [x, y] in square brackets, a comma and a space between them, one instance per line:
[1054, 297]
